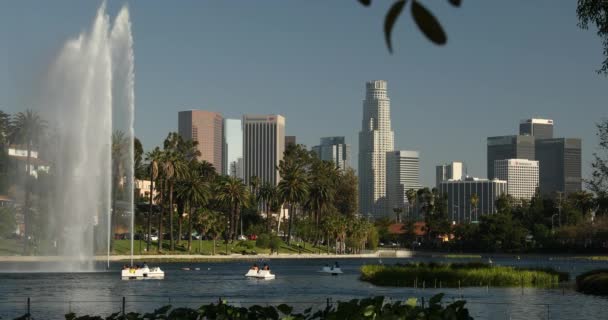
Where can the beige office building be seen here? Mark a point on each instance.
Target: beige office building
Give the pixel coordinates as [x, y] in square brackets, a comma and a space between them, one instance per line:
[205, 127]
[263, 146]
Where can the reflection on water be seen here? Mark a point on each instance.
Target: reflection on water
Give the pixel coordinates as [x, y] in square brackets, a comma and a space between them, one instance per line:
[297, 283]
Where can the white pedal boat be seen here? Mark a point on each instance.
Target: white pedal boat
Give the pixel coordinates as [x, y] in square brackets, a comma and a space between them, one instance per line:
[331, 270]
[142, 273]
[261, 274]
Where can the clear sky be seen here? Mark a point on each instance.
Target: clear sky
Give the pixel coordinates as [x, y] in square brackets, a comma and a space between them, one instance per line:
[309, 60]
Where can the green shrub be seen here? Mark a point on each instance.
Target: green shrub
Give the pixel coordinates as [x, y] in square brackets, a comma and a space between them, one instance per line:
[263, 241]
[593, 282]
[275, 244]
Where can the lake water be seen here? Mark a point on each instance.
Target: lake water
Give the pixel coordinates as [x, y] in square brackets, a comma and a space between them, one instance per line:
[297, 283]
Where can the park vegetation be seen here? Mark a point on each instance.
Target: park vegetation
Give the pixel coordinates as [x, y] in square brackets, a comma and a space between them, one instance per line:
[457, 275]
[370, 308]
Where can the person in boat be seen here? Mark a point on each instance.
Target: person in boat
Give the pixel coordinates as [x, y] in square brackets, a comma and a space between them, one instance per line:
[266, 267]
[255, 267]
[145, 265]
[336, 265]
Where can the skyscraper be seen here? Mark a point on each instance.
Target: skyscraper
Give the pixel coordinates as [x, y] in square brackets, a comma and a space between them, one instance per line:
[560, 165]
[233, 146]
[451, 171]
[376, 138]
[539, 128]
[402, 174]
[205, 127]
[334, 149]
[263, 146]
[509, 147]
[521, 176]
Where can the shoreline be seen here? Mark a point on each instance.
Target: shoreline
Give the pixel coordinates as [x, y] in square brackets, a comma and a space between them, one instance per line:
[402, 253]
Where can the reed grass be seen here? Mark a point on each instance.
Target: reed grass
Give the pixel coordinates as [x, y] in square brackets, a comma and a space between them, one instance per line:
[459, 275]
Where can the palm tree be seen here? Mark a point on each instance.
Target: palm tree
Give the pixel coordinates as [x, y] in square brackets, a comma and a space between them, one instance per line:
[27, 128]
[267, 195]
[254, 186]
[212, 223]
[174, 168]
[194, 192]
[583, 200]
[293, 188]
[474, 202]
[5, 127]
[233, 192]
[411, 200]
[153, 157]
[398, 212]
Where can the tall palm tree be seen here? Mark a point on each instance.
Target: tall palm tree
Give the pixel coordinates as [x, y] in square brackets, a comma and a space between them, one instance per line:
[411, 200]
[293, 188]
[254, 186]
[266, 196]
[5, 127]
[174, 168]
[474, 202]
[212, 223]
[233, 192]
[398, 212]
[194, 191]
[153, 157]
[27, 128]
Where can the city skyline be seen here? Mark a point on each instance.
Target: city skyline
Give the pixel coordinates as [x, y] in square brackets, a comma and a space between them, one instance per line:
[529, 72]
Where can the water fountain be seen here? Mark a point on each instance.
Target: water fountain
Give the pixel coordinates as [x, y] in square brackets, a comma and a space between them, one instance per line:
[90, 95]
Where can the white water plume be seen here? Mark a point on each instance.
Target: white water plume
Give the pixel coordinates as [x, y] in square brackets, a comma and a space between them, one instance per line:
[90, 96]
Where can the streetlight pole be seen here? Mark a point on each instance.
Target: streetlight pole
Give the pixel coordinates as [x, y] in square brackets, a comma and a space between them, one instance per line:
[559, 207]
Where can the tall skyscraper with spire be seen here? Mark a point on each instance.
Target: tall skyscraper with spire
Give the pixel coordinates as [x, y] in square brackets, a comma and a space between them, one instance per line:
[375, 140]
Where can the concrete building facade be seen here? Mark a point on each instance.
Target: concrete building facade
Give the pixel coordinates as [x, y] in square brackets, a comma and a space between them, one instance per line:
[376, 138]
[538, 128]
[460, 192]
[263, 147]
[205, 127]
[508, 147]
[521, 176]
[402, 174]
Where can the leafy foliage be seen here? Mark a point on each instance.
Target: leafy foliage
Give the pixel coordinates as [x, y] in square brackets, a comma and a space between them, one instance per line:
[595, 12]
[593, 282]
[369, 308]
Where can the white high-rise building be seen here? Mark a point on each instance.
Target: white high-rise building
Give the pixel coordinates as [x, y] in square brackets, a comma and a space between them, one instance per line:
[460, 193]
[402, 174]
[232, 151]
[375, 140]
[263, 147]
[521, 176]
[450, 171]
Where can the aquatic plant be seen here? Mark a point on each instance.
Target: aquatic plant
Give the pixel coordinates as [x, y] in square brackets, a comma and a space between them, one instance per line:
[458, 274]
[593, 282]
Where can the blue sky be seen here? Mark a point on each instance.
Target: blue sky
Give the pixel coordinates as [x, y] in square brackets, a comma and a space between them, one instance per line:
[309, 60]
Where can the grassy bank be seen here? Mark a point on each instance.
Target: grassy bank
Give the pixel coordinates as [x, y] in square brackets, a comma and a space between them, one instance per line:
[455, 275]
[205, 247]
[593, 282]
[462, 256]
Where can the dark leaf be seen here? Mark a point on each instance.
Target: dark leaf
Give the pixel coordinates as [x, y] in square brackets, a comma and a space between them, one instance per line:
[365, 2]
[455, 3]
[389, 21]
[285, 309]
[428, 24]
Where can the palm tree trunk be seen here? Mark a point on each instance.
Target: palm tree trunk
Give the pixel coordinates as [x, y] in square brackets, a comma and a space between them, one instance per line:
[291, 213]
[180, 221]
[161, 216]
[267, 218]
[189, 229]
[150, 212]
[171, 239]
[279, 222]
[26, 204]
[213, 249]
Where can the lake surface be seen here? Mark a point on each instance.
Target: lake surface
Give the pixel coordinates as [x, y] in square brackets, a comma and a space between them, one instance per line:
[297, 283]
